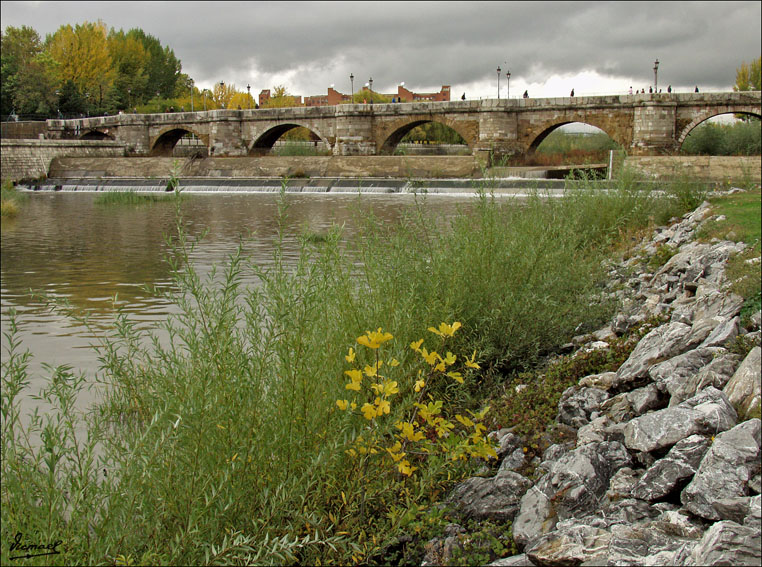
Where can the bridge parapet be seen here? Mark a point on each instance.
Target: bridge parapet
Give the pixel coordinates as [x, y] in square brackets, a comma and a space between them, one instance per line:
[653, 123]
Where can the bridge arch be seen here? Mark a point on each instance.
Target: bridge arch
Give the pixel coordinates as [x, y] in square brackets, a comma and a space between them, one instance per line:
[265, 141]
[704, 116]
[549, 128]
[165, 141]
[96, 135]
[393, 133]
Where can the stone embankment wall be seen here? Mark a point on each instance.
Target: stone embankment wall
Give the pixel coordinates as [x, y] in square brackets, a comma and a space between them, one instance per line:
[713, 168]
[30, 159]
[664, 468]
[311, 166]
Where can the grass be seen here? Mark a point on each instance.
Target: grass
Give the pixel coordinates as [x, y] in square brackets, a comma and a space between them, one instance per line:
[224, 444]
[11, 200]
[130, 198]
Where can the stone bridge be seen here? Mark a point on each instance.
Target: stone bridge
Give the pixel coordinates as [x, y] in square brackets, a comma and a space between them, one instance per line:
[643, 124]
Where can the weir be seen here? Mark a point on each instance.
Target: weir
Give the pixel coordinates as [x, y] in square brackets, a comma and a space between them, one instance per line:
[315, 185]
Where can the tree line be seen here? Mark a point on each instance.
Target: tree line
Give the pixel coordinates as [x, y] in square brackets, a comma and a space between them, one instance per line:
[85, 69]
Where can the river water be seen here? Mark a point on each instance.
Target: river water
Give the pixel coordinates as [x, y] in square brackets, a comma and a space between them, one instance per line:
[66, 246]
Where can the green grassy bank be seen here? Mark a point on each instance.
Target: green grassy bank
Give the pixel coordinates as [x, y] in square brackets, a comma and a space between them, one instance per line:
[318, 417]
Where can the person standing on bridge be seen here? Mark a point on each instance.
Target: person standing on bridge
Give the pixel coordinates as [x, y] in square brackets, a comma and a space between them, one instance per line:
[696, 89]
[630, 90]
[526, 94]
[669, 89]
[463, 97]
[572, 93]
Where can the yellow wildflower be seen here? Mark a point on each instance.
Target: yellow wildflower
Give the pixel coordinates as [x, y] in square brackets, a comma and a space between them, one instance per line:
[470, 362]
[371, 371]
[464, 420]
[351, 356]
[457, 376]
[430, 357]
[419, 384]
[383, 406]
[356, 377]
[374, 339]
[343, 404]
[405, 468]
[368, 411]
[409, 432]
[416, 345]
[446, 330]
[390, 387]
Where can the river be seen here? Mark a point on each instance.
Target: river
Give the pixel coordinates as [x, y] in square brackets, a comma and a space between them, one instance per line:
[69, 247]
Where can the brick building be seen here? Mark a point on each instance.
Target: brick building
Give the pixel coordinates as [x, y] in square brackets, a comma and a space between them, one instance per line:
[334, 97]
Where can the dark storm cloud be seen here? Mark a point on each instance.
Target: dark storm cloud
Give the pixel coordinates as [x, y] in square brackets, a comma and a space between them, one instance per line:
[309, 45]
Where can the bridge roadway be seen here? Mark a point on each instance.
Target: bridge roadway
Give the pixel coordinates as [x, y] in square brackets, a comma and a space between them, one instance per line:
[643, 124]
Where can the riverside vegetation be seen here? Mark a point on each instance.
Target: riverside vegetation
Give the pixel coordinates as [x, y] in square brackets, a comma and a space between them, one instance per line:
[240, 439]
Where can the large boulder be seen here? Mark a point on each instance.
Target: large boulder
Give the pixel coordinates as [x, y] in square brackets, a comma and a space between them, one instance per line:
[706, 413]
[660, 344]
[671, 471]
[573, 487]
[745, 387]
[725, 471]
[495, 498]
[728, 543]
[576, 405]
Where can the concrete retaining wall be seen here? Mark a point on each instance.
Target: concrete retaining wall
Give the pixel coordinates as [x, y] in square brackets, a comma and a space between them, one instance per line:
[269, 166]
[711, 168]
[31, 159]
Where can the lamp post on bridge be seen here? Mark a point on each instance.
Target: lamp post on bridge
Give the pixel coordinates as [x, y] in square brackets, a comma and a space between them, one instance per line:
[352, 83]
[498, 81]
[204, 93]
[222, 90]
[508, 77]
[192, 109]
[656, 76]
[370, 82]
[248, 90]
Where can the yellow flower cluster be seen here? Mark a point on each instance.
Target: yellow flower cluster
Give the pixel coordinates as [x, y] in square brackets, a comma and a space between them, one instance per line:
[426, 427]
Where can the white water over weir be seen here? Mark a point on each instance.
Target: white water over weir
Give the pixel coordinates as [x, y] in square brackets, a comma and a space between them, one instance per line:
[511, 186]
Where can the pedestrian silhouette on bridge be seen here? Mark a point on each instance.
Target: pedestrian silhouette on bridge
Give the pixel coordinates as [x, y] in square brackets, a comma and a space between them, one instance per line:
[669, 89]
[463, 97]
[650, 89]
[526, 94]
[696, 89]
[630, 90]
[572, 93]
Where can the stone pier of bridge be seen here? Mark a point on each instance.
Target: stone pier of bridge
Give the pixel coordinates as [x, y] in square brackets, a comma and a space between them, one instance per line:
[642, 124]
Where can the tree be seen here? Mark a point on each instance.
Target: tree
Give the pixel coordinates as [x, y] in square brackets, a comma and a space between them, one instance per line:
[748, 76]
[70, 100]
[129, 59]
[163, 68]
[280, 98]
[83, 56]
[18, 47]
[35, 88]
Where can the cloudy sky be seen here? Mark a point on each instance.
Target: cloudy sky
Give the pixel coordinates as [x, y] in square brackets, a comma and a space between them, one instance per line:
[549, 47]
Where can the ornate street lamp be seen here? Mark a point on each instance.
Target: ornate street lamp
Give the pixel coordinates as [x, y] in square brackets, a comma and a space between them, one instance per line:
[498, 81]
[248, 90]
[192, 109]
[508, 75]
[370, 82]
[205, 91]
[656, 76]
[352, 82]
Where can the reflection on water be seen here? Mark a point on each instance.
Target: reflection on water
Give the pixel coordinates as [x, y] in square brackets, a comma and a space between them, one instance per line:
[66, 246]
